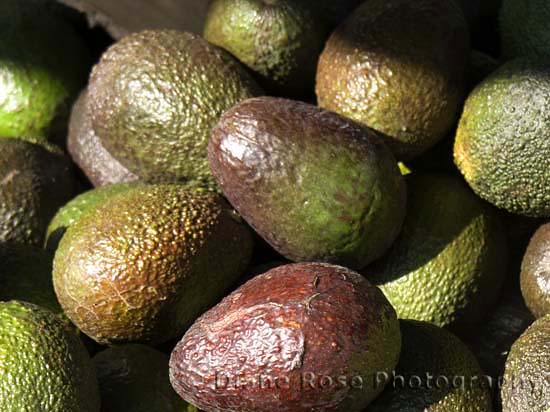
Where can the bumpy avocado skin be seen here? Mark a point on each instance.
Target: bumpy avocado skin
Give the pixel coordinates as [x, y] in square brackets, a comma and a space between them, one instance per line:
[85, 148]
[44, 64]
[502, 143]
[526, 386]
[154, 97]
[299, 325]
[398, 67]
[449, 262]
[535, 273]
[428, 349]
[524, 28]
[134, 378]
[45, 367]
[73, 211]
[34, 183]
[314, 185]
[144, 264]
[281, 40]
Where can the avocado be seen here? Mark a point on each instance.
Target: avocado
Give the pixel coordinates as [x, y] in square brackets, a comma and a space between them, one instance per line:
[448, 264]
[398, 66]
[524, 28]
[44, 64]
[503, 139]
[134, 378]
[298, 338]
[535, 273]
[73, 211]
[45, 367]
[526, 386]
[34, 183]
[314, 185]
[87, 151]
[143, 265]
[154, 97]
[450, 377]
[280, 40]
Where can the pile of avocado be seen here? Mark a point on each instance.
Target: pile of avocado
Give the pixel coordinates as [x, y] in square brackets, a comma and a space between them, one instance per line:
[329, 206]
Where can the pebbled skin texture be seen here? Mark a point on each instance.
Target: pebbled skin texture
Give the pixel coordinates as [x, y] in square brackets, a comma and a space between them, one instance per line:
[99, 166]
[296, 319]
[45, 367]
[398, 67]
[34, 184]
[154, 97]
[449, 262]
[281, 40]
[143, 265]
[314, 185]
[502, 142]
[526, 384]
[535, 273]
[134, 378]
[429, 349]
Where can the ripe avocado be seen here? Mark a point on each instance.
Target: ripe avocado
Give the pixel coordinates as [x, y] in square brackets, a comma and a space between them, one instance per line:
[45, 367]
[535, 273]
[99, 166]
[448, 264]
[313, 184]
[526, 386]
[398, 66]
[502, 143]
[281, 40]
[154, 97]
[134, 378]
[44, 64]
[299, 338]
[34, 183]
[440, 360]
[144, 264]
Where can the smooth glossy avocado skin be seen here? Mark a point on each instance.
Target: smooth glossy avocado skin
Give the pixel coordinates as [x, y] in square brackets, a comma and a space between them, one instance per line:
[281, 40]
[428, 349]
[535, 273]
[87, 151]
[45, 367]
[34, 183]
[144, 264]
[449, 262]
[398, 67]
[526, 386]
[502, 143]
[44, 63]
[154, 97]
[314, 185]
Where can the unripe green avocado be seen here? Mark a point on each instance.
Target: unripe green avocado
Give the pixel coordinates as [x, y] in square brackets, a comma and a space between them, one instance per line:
[44, 365]
[143, 265]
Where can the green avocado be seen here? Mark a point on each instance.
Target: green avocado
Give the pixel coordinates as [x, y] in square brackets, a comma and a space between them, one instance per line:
[143, 265]
[43, 65]
[314, 185]
[448, 264]
[281, 40]
[526, 385]
[502, 143]
[134, 378]
[34, 183]
[436, 373]
[398, 66]
[154, 97]
[45, 367]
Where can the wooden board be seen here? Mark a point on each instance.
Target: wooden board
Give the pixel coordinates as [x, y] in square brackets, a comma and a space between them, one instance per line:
[120, 17]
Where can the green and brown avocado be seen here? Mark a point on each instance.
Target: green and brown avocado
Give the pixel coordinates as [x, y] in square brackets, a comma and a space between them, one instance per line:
[301, 337]
[314, 185]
